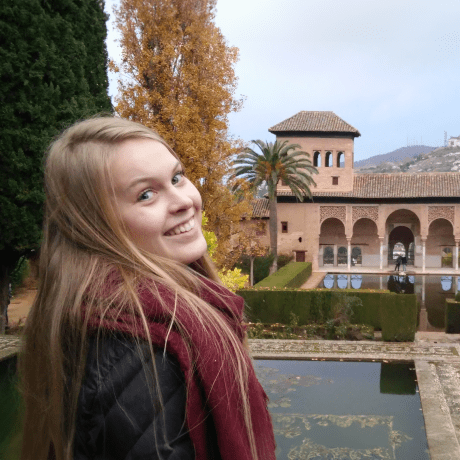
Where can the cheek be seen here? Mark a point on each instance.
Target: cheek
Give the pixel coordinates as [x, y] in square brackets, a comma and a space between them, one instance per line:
[142, 228]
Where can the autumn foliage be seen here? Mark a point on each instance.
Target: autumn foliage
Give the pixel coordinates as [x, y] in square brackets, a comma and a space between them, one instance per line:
[177, 77]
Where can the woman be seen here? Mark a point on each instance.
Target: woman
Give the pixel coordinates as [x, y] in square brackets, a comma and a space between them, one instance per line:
[134, 350]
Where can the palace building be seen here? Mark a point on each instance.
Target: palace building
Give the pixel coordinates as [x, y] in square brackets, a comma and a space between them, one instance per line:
[363, 219]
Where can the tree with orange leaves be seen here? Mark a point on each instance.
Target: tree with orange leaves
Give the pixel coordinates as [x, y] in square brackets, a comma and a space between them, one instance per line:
[177, 77]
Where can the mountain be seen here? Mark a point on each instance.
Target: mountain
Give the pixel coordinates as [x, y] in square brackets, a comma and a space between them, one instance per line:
[442, 159]
[394, 156]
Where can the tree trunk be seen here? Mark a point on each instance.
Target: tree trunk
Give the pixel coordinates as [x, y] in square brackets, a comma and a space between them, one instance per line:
[8, 261]
[273, 227]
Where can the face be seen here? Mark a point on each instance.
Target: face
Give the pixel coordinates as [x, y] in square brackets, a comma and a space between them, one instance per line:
[160, 207]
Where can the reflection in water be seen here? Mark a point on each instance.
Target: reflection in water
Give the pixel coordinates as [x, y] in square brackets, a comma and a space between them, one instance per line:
[431, 290]
[400, 284]
[356, 281]
[446, 283]
[337, 410]
[342, 281]
[329, 281]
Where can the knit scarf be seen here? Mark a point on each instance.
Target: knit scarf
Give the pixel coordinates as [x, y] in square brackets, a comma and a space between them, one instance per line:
[211, 385]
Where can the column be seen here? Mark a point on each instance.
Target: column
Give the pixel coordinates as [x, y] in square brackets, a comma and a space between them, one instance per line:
[423, 324]
[348, 281]
[316, 254]
[423, 292]
[423, 253]
[456, 255]
[335, 255]
[349, 254]
[381, 238]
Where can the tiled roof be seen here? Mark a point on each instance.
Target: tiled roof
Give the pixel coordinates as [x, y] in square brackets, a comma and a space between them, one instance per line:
[260, 208]
[403, 185]
[315, 122]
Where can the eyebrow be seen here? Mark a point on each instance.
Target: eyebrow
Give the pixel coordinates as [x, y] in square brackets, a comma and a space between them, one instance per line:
[139, 180]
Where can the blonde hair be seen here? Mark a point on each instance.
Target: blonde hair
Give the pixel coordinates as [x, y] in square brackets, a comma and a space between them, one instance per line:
[84, 243]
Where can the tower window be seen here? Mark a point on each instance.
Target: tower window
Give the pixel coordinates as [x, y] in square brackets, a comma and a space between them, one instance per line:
[340, 160]
[329, 163]
[284, 227]
[317, 159]
[335, 180]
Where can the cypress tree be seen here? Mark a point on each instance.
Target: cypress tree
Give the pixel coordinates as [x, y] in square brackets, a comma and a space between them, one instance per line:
[52, 73]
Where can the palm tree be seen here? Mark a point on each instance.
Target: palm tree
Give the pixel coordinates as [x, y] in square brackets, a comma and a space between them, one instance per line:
[275, 162]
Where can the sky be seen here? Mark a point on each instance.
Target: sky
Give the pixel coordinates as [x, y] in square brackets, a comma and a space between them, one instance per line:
[390, 68]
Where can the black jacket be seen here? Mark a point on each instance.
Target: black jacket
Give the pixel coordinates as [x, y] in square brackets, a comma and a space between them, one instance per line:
[119, 415]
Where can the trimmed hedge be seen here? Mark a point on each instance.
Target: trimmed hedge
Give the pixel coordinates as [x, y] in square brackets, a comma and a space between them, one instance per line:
[311, 305]
[398, 315]
[292, 275]
[452, 316]
[395, 314]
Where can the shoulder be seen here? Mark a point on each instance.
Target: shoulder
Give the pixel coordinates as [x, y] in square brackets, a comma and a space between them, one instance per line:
[118, 363]
[126, 402]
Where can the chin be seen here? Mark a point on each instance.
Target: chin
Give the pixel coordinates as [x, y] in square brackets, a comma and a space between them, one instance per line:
[192, 255]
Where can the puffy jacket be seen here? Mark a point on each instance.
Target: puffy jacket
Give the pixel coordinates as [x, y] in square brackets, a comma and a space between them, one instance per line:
[119, 413]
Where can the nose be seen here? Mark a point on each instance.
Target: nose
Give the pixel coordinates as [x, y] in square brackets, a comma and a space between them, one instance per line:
[180, 200]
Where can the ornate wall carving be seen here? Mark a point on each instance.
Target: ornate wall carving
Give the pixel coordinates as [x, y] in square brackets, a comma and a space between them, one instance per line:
[339, 212]
[441, 212]
[369, 212]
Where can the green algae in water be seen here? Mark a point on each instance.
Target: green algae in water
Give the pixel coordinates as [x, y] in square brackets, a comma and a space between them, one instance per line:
[344, 410]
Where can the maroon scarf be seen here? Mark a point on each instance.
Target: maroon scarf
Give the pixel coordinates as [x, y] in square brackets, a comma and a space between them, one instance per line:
[206, 374]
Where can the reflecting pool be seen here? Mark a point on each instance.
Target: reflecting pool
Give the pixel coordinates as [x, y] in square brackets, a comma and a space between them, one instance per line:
[344, 410]
[432, 291]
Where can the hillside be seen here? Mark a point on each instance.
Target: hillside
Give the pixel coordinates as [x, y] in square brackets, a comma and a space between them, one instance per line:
[442, 159]
[397, 155]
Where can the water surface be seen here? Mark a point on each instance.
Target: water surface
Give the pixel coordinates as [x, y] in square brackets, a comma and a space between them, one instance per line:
[344, 410]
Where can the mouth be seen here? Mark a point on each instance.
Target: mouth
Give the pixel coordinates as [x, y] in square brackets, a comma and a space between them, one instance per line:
[182, 228]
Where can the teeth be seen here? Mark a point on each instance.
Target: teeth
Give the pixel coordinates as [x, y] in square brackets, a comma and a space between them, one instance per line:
[182, 228]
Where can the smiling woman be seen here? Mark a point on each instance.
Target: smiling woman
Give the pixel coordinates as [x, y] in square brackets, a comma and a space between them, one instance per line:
[134, 349]
[160, 207]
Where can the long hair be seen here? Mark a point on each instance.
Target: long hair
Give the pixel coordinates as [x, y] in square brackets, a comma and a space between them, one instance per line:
[84, 243]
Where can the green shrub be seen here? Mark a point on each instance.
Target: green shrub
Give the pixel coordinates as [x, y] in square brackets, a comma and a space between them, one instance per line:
[398, 315]
[457, 296]
[262, 265]
[394, 314]
[292, 275]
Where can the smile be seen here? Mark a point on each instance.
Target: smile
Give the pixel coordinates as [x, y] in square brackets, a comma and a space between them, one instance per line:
[182, 228]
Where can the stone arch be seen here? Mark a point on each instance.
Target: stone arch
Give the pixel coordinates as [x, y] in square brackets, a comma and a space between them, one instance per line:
[366, 223]
[331, 238]
[365, 237]
[440, 243]
[317, 159]
[334, 229]
[402, 226]
[400, 235]
[338, 212]
[441, 212]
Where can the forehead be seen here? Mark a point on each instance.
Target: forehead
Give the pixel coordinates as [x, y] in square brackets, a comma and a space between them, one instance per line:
[137, 158]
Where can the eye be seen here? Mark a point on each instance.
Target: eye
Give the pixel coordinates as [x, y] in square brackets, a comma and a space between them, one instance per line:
[146, 195]
[177, 177]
